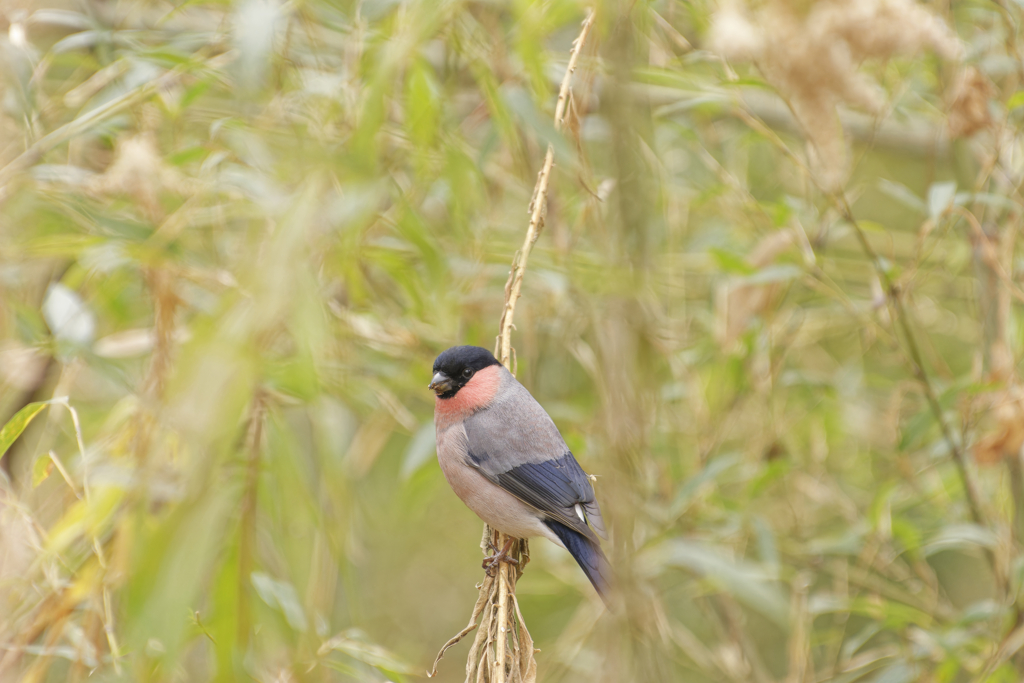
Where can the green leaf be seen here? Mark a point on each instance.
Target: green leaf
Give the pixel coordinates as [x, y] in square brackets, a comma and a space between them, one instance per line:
[940, 198]
[17, 424]
[281, 596]
[174, 561]
[902, 194]
[899, 672]
[872, 226]
[501, 117]
[519, 102]
[1016, 100]
[41, 469]
[892, 613]
[996, 201]
[961, 536]
[709, 474]
[187, 155]
[422, 104]
[421, 447]
[730, 262]
[767, 548]
[353, 643]
[858, 640]
[88, 517]
[777, 273]
[746, 582]
[915, 429]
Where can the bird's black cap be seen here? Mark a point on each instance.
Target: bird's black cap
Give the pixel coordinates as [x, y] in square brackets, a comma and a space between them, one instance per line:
[456, 366]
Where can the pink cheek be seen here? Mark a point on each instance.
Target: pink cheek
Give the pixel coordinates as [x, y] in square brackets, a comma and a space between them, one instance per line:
[481, 389]
[477, 394]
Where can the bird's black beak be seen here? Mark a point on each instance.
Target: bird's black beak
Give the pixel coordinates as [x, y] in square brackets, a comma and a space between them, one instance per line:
[440, 384]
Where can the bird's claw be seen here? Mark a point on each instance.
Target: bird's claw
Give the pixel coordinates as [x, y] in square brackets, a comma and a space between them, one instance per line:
[491, 563]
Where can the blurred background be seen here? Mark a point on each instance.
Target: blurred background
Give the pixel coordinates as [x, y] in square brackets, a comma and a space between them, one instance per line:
[773, 310]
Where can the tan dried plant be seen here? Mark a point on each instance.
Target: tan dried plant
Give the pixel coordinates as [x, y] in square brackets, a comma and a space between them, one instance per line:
[737, 301]
[812, 54]
[968, 109]
[502, 651]
[138, 170]
[1000, 431]
[1003, 435]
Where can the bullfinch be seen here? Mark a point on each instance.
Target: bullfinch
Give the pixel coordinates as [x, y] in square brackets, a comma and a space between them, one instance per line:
[506, 460]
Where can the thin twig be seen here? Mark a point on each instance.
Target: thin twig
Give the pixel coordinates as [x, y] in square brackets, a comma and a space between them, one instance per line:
[988, 252]
[912, 350]
[507, 574]
[64, 473]
[81, 444]
[108, 628]
[915, 358]
[247, 541]
[477, 609]
[538, 206]
[913, 354]
[1010, 645]
[496, 606]
[505, 624]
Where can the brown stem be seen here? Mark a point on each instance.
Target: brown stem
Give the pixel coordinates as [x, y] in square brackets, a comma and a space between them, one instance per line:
[497, 604]
[507, 574]
[538, 207]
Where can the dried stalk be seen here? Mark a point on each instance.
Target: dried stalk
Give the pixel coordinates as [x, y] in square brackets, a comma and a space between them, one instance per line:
[537, 209]
[497, 607]
[485, 590]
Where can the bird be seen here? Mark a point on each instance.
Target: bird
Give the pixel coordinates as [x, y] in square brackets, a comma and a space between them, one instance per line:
[504, 457]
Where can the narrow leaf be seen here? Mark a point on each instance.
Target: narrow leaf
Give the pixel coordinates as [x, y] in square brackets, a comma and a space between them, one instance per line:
[940, 198]
[17, 424]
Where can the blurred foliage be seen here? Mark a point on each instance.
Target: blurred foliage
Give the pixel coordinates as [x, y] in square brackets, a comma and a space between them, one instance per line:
[234, 235]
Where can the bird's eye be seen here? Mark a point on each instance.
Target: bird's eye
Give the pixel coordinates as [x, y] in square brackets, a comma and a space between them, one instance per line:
[467, 373]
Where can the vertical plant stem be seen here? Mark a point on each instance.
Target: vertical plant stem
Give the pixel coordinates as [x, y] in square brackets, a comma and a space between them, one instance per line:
[912, 350]
[917, 362]
[497, 596]
[504, 569]
[913, 353]
[994, 289]
[507, 574]
[538, 207]
[247, 540]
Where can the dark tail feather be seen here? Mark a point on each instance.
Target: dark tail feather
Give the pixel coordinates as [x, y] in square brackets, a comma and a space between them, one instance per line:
[588, 555]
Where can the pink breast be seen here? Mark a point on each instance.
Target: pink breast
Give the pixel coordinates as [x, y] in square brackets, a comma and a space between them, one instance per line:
[477, 394]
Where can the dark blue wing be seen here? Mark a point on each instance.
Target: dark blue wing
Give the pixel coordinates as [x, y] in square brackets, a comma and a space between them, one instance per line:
[555, 487]
[516, 446]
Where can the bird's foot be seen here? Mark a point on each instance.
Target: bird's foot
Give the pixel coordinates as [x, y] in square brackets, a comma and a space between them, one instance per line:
[491, 563]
